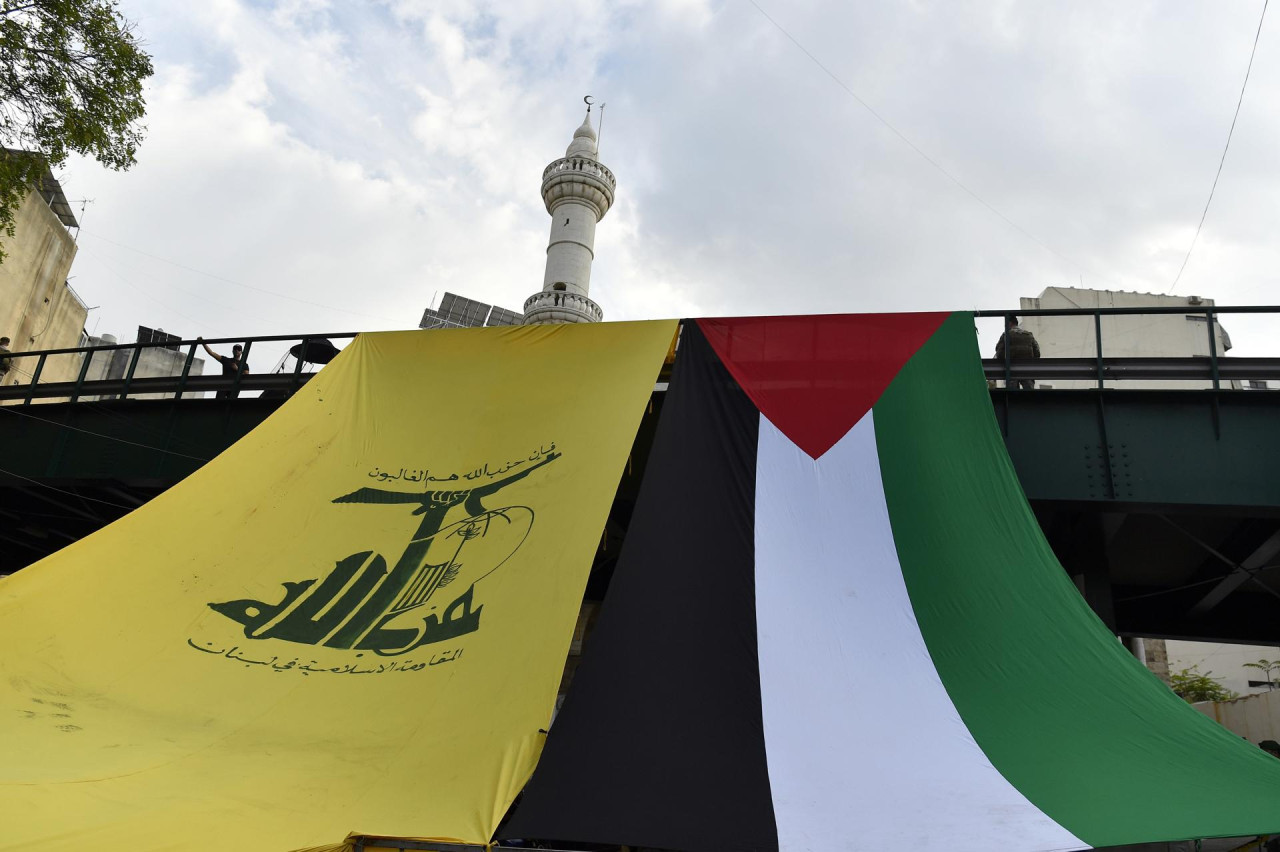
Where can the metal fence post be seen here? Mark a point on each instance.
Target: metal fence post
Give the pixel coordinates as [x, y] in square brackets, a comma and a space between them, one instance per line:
[1008, 359]
[133, 366]
[1104, 441]
[1213, 371]
[297, 368]
[1213, 349]
[1097, 346]
[35, 379]
[186, 371]
[84, 371]
[244, 364]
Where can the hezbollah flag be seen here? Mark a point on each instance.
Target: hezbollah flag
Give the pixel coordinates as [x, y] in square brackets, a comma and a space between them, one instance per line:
[354, 620]
[836, 625]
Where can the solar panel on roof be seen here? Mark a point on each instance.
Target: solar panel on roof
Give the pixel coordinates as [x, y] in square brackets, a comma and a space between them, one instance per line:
[430, 320]
[460, 312]
[502, 316]
[157, 335]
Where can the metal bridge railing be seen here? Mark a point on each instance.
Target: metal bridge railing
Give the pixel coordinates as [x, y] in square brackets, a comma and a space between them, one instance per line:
[1213, 368]
[130, 384]
[1097, 369]
[1209, 369]
[1100, 370]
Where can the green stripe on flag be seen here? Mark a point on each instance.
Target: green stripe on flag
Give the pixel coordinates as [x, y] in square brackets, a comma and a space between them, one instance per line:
[1056, 703]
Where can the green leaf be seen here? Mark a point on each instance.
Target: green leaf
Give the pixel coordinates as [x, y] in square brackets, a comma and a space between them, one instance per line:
[1193, 685]
[71, 77]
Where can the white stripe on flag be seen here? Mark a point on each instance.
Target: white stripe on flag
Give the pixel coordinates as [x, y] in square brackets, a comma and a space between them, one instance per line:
[865, 748]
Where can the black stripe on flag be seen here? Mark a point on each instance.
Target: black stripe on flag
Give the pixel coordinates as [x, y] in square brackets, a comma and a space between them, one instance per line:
[660, 741]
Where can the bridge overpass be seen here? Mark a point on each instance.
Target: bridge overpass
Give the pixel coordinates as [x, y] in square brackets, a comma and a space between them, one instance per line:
[1163, 505]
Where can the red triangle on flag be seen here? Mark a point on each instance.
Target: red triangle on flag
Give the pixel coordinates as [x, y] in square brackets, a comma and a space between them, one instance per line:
[814, 377]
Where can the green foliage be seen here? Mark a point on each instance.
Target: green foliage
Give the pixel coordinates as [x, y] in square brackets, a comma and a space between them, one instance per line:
[1268, 668]
[1193, 685]
[71, 74]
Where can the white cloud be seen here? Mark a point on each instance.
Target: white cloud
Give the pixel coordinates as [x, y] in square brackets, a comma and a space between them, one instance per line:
[365, 157]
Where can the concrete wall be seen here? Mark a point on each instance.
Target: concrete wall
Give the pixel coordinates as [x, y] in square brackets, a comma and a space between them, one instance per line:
[37, 308]
[1254, 717]
[1155, 655]
[1167, 336]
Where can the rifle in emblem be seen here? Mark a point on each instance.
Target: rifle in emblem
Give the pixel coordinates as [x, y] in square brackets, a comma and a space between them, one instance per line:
[353, 605]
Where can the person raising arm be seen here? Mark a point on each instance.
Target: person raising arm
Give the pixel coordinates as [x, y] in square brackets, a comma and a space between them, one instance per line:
[230, 366]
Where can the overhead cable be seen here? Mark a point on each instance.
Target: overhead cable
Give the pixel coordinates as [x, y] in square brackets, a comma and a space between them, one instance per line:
[40, 484]
[8, 409]
[916, 148]
[1225, 148]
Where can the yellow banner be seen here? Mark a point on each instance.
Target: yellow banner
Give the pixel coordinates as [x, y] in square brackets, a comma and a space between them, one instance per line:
[354, 620]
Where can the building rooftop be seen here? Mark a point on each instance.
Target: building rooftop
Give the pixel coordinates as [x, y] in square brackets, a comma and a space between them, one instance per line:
[51, 191]
[1175, 298]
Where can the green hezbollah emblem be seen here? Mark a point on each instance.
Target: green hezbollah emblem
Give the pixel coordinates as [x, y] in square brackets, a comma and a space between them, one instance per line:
[362, 605]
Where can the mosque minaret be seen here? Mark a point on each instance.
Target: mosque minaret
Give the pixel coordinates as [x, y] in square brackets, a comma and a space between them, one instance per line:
[578, 191]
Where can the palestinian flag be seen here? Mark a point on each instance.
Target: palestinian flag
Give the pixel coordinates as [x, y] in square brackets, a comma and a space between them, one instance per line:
[836, 625]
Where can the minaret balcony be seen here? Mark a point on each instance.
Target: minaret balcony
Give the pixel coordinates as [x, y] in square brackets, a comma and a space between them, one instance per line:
[578, 179]
[553, 307]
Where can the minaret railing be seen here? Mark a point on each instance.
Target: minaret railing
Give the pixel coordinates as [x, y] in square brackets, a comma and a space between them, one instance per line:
[555, 300]
[581, 165]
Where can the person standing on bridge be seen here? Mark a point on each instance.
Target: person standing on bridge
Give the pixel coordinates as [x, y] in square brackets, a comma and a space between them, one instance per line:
[231, 367]
[1022, 346]
[5, 363]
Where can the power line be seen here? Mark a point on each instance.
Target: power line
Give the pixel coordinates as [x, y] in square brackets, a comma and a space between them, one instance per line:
[930, 160]
[237, 283]
[1217, 175]
[110, 268]
[40, 484]
[106, 412]
[7, 409]
[193, 290]
[1184, 587]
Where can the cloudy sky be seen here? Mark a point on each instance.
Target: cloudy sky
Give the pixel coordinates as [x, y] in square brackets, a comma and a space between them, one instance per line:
[314, 166]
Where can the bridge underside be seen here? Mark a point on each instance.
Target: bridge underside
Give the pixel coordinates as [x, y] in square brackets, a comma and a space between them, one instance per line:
[1163, 506]
[67, 469]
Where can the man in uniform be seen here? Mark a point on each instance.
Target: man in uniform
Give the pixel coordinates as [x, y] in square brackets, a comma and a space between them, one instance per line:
[1022, 346]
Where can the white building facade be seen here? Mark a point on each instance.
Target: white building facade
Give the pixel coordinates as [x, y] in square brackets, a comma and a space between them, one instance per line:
[1124, 336]
[160, 361]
